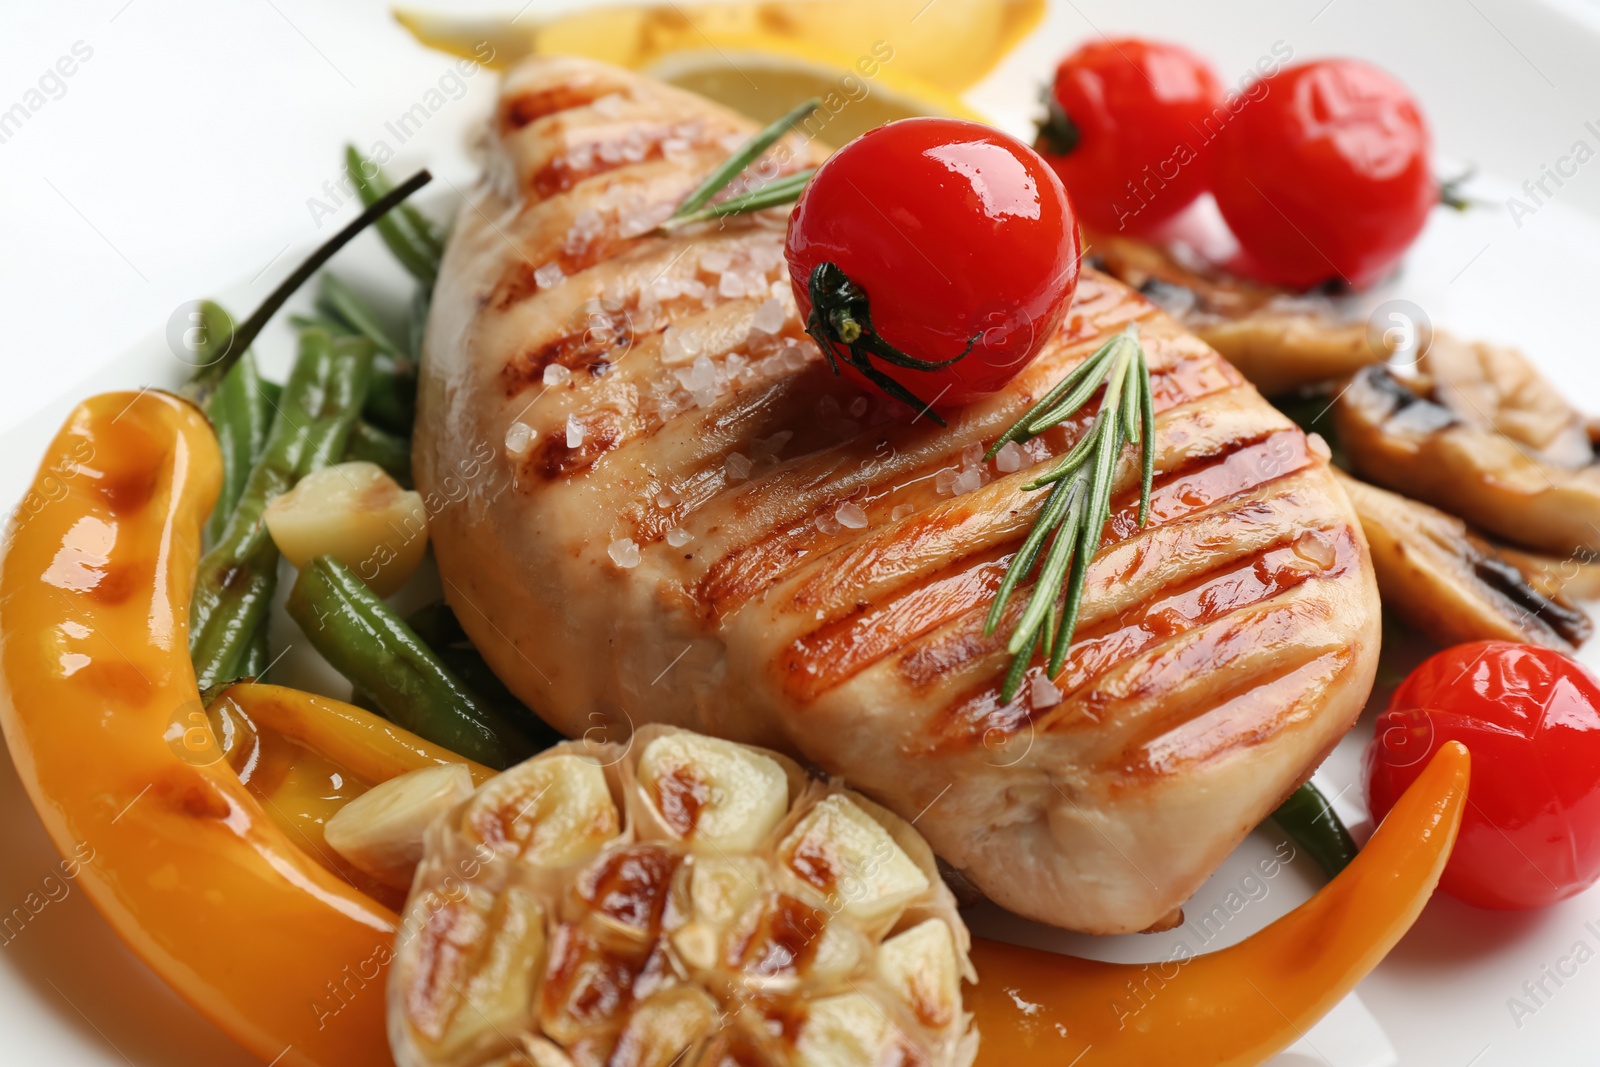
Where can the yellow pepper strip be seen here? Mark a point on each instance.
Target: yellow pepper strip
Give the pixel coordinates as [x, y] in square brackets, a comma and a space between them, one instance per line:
[303, 757]
[96, 695]
[1240, 1005]
[370, 747]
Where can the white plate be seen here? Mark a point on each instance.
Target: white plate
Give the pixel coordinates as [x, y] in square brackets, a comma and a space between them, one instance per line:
[1505, 86]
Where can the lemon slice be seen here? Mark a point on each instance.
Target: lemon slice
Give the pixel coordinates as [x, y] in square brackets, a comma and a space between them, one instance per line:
[765, 78]
[949, 44]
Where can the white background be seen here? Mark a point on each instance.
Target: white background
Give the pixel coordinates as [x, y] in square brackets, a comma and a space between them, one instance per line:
[179, 162]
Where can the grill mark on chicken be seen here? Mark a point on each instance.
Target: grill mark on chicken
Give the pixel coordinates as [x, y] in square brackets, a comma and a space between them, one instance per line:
[599, 157]
[577, 351]
[1209, 480]
[843, 647]
[532, 105]
[792, 537]
[1259, 712]
[980, 715]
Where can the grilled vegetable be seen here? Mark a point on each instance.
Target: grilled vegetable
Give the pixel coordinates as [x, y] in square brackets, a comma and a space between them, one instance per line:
[676, 898]
[237, 577]
[357, 514]
[1451, 584]
[1482, 436]
[99, 703]
[1281, 341]
[373, 647]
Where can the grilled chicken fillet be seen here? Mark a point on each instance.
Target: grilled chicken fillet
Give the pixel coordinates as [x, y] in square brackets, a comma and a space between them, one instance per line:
[654, 502]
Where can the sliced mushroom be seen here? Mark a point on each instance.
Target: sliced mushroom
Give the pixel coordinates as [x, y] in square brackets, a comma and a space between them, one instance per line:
[1509, 466]
[1493, 387]
[1281, 341]
[1451, 584]
[1576, 576]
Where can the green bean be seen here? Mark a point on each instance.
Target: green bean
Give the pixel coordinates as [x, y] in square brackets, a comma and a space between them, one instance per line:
[256, 654]
[408, 232]
[437, 625]
[236, 579]
[216, 335]
[1310, 821]
[392, 392]
[337, 301]
[417, 324]
[392, 399]
[389, 451]
[369, 644]
[241, 414]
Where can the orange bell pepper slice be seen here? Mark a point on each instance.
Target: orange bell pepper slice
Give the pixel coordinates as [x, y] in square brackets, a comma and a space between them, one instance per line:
[96, 696]
[1240, 1005]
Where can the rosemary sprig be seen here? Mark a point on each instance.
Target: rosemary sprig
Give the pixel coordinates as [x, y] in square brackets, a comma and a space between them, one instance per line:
[735, 164]
[1079, 503]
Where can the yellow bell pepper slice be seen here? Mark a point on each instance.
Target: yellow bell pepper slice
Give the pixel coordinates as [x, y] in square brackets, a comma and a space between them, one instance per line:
[96, 696]
[1241, 1005]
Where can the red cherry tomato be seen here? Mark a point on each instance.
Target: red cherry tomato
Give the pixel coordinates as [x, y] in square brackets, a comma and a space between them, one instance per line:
[1531, 718]
[934, 238]
[1325, 177]
[1127, 121]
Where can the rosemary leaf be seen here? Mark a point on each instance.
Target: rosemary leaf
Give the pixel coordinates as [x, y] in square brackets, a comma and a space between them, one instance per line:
[1054, 506]
[1019, 429]
[718, 179]
[780, 191]
[1147, 450]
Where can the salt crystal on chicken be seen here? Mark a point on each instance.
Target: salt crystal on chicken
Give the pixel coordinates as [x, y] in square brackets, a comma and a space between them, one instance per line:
[945, 481]
[716, 260]
[967, 481]
[851, 516]
[826, 524]
[575, 432]
[624, 552]
[699, 375]
[549, 276]
[972, 455]
[519, 436]
[737, 466]
[1010, 458]
[555, 374]
[677, 537]
[732, 284]
[794, 357]
[902, 511]
[680, 346]
[771, 446]
[769, 317]
[667, 499]
[1042, 693]
[611, 105]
